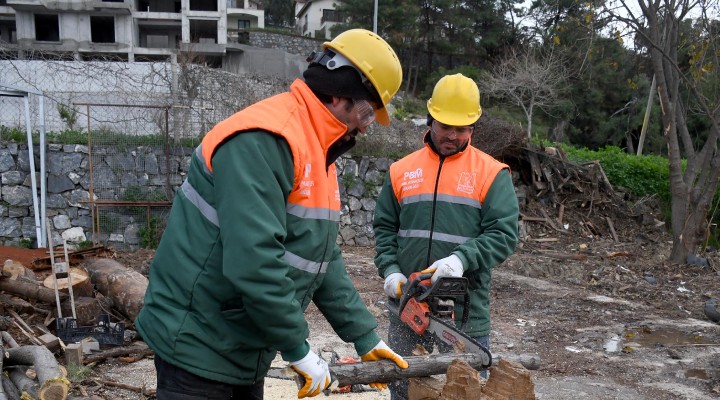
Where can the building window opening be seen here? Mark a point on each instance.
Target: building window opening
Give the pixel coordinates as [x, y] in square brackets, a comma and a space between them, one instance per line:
[243, 24]
[203, 31]
[102, 29]
[203, 5]
[47, 28]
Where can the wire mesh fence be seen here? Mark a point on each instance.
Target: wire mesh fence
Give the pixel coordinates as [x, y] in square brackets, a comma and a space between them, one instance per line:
[135, 169]
[140, 123]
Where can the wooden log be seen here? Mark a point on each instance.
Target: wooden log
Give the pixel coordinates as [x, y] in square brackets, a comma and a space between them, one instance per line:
[29, 290]
[135, 348]
[125, 287]
[25, 385]
[9, 339]
[78, 278]
[87, 310]
[463, 382]
[74, 354]
[53, 385]
[142, 390]
[385, 371]
[508, 381]
[18, 271]
[11, 391]
[16, 303]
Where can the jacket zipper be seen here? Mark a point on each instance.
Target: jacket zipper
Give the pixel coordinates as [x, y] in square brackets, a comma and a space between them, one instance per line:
[432, 214]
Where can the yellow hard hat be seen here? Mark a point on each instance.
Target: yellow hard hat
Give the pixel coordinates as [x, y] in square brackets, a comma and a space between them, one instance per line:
[455, 101]
[377, 62]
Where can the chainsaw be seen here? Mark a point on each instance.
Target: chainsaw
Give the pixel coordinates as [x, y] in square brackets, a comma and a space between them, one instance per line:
[429, 307]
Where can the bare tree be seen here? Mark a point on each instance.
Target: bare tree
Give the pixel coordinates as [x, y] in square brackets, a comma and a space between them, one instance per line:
[657, 24]
[528, 80]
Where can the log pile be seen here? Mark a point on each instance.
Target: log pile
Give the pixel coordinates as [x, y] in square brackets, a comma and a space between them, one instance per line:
[30, 372]
[99, 286]
[561, 199]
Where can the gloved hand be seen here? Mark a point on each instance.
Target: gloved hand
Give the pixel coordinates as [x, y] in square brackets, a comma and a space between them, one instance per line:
[381, 351]
[449, 266]
[393, 284]
[316, 373]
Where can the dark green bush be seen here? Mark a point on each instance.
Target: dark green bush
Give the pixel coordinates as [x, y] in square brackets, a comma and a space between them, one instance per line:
[643, 175]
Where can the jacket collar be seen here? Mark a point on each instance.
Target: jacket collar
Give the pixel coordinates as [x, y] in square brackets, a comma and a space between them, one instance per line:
[326, 127]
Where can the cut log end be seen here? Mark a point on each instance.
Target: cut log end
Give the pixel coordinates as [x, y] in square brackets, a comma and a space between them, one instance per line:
[54, 389]
[79, 279]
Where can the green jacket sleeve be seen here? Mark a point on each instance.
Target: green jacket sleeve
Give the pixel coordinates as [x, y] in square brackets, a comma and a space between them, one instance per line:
[338, 300]
[499, 224]
[253, 176]
[386, 227]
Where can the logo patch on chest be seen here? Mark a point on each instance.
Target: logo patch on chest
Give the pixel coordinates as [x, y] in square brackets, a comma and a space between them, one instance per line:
[412, 179]
[466, 183]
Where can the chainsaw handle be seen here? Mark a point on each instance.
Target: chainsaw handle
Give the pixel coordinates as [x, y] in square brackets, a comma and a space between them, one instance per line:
[410, 288]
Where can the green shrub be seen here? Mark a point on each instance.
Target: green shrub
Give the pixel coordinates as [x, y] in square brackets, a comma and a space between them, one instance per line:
[85, 244]
[78, 373]
[26, 243]
[643, 175]
[151, 233]
[67, 114]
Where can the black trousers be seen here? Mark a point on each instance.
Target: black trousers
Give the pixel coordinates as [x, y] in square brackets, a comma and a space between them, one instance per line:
[175, 383]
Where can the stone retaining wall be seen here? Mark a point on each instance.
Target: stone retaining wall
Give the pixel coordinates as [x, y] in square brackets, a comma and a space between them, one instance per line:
[68, 186]
[293, 44]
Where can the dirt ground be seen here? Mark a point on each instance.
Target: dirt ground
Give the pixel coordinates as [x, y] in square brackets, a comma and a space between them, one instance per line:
[609, 318]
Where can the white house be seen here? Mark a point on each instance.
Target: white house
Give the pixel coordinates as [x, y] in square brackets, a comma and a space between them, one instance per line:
[314, 18]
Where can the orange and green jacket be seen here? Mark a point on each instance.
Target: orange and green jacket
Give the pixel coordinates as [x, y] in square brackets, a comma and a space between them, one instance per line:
[250, 242]
[431, 206]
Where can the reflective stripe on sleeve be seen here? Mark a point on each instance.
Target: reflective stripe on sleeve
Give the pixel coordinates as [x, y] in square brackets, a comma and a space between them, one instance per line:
[203, 206]
[199, 155]
[302, 264]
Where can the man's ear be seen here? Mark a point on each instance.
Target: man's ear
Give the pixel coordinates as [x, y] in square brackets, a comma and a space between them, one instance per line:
[336, 100]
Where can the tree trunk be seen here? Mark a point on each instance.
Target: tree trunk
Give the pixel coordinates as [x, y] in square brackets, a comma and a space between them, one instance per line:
[123, 286]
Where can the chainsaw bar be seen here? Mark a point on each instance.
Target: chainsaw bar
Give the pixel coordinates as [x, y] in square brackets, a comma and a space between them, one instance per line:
[447, 333]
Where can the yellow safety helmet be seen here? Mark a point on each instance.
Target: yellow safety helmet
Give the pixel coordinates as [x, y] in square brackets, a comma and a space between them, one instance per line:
[455, 101]
[375, 60]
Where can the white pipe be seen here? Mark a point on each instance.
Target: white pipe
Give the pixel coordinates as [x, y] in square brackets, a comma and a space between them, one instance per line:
[43, 178]
[375, 17]
[32, 169]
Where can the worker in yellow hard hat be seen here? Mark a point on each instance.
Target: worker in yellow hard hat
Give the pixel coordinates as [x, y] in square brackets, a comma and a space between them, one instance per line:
[251, 238]
[447, 209]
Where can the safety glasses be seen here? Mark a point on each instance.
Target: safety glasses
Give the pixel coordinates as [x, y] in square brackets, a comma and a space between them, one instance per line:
[448, 129]
[364, 111]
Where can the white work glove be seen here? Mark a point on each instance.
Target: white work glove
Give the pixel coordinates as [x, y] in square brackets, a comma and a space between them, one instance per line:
[394, 284]
[450, 266]
[316, 373]
[381, 351]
